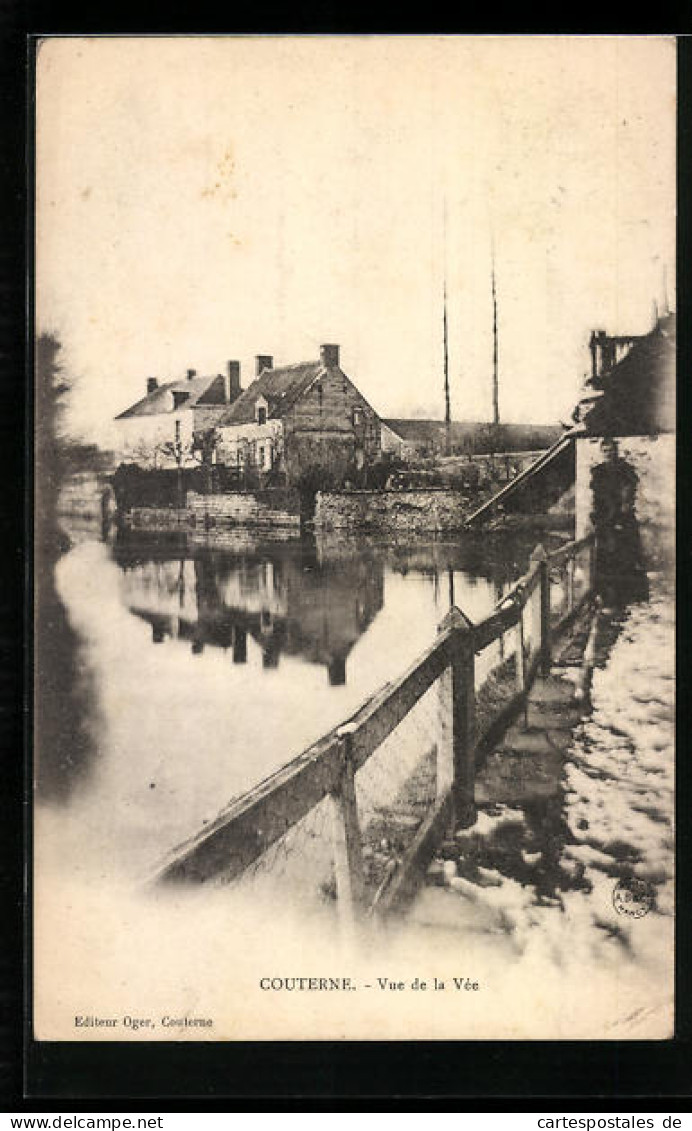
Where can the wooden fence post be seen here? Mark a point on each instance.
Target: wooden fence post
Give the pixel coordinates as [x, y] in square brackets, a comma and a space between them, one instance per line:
[521, 653]
[539, 556]
[456, 751]
[592, 565]
[521, 662]
[571, 563]
[346, 842]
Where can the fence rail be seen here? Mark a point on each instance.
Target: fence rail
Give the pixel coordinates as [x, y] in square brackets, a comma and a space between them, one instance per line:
[251, 824]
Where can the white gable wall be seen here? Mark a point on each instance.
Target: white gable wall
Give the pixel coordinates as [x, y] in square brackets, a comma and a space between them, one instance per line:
[141, 439]
[243, 443]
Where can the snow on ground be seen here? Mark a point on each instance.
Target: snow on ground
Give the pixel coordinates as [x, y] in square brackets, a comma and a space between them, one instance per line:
[620, 777]
[534, 883]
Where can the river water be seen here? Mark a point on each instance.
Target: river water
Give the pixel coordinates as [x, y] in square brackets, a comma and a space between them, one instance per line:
[185, 672]
[203, 669]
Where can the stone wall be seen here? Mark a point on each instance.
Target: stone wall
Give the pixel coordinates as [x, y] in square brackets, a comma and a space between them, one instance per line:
[434, 511]
[267, 509]
[273, 509]
[158, 518]
[653, 460]
[240, 539]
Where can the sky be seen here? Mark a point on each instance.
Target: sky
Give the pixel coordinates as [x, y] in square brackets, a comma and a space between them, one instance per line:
[213, 198]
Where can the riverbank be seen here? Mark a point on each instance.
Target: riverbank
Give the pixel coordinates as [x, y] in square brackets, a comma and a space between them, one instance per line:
[570, 864]
[435, 511]
[183, 716]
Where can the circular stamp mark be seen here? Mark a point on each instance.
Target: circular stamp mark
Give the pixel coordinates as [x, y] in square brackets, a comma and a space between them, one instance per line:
[633, 897]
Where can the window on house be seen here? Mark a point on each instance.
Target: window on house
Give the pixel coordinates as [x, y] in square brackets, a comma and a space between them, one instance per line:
[261, 414]
[357, 416]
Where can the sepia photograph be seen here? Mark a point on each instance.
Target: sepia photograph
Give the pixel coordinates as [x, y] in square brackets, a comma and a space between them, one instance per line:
[354, 538]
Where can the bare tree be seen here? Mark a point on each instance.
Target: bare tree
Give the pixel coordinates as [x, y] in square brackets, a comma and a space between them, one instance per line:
[63, 689]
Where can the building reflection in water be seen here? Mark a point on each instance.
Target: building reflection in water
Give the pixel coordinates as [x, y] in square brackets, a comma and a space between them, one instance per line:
[311, 599]
[291, 598]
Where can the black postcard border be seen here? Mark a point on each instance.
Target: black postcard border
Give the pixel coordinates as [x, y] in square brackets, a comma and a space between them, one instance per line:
[156, 1076]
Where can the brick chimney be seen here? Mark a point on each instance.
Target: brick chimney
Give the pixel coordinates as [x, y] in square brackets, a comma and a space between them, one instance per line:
[329, 355]
[152, 385]
[263, 361]
[191, 373]
[596, 346]
[232, 382]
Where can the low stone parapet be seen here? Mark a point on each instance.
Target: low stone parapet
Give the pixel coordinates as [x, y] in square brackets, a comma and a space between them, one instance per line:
[433, 510]
[271, 508]
[159, 518]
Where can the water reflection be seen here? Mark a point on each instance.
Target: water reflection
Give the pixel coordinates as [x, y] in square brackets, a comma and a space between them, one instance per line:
[213, 666]
[289, 598]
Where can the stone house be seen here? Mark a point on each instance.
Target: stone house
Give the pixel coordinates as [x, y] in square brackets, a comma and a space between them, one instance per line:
[615, 468]
[300, 420]
[167, 426]
[625, 440]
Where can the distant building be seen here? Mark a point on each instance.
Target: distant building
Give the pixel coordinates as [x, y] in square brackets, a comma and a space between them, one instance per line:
[298, 420]
[404, 439]
[166, 427]
[410, 438]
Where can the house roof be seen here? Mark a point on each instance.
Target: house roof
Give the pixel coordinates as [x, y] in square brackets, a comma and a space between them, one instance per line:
[476, 436]
[280, 387]
[636, 396]
[196, 387]
[417, 431]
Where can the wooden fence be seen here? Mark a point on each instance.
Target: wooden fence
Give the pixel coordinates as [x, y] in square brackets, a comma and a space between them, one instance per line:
[537, 607]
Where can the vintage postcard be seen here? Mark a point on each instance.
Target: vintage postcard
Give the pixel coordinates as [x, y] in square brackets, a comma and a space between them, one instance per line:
[354, 537]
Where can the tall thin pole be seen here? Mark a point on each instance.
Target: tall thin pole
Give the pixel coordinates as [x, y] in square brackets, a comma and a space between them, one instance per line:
[448, 410]
[496, 392]
[666, 309]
